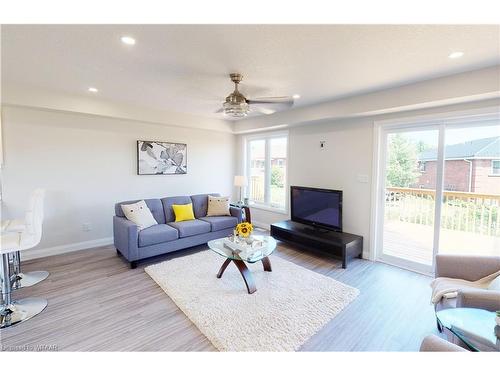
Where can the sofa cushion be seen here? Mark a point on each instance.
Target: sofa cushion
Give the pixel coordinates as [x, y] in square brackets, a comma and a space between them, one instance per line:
[200, 204]
[167, 206]
[154, 205]
[220, 222]
[157, 234]
[191, 227]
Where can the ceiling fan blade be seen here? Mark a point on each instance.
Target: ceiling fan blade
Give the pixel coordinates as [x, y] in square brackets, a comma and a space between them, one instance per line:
[266, 111]
[272, 99]
[220, 110]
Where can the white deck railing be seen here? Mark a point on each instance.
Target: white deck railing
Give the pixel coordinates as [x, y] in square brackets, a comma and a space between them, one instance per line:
[461, 211]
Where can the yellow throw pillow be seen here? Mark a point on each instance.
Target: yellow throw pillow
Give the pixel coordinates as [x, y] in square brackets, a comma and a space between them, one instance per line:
[183, 212]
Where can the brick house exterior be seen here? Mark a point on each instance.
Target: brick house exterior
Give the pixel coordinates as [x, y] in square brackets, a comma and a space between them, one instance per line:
[468, 167]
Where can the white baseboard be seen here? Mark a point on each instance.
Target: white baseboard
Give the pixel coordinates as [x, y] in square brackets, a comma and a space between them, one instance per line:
[56, 250]
[261, 225]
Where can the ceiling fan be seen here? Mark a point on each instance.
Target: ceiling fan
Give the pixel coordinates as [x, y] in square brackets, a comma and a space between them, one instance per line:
[237, 105]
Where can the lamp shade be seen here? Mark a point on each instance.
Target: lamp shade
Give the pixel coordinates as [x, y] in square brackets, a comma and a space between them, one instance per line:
[240, 181]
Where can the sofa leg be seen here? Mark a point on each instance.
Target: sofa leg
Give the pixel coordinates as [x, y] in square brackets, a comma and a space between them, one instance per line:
[133, 264]
[117, 252]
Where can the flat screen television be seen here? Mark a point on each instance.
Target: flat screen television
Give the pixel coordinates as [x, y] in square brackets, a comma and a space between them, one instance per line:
[318, 207]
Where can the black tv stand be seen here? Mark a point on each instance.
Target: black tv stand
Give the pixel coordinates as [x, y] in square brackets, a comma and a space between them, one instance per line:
[314, 229]
[338, 244]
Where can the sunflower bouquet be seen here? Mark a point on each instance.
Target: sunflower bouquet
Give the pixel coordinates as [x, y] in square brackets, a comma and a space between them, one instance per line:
[244, 229]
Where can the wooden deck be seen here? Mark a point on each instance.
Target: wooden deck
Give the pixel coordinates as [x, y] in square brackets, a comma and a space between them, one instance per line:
[414, 242]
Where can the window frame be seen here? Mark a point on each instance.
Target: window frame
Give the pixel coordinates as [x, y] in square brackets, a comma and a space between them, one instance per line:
[493, 169]
[267, 137]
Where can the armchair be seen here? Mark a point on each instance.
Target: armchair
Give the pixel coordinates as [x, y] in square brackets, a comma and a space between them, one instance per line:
[469, 268]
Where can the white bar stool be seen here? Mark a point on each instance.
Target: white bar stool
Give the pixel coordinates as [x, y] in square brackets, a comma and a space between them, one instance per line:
[19, 278]
[16, 311]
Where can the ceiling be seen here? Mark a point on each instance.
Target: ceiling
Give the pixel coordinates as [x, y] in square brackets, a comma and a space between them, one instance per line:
[185, 68]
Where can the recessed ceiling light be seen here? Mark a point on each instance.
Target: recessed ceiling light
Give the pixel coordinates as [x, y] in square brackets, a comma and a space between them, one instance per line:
[296, 96]
[455, 55]
[93, 89]
[128, 40]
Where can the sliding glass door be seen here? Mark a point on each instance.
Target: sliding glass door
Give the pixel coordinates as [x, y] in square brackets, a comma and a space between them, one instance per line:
[438, 191]
[470, 211]
[409, 199]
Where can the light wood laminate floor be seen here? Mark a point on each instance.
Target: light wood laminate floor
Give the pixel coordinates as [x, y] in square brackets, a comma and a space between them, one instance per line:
[96, 303]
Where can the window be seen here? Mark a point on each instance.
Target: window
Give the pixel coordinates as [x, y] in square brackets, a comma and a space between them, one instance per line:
[266, 170]
[422, 166]
[495, 167]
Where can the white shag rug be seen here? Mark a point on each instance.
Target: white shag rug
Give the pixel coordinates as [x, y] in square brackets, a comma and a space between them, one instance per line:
[290, 305]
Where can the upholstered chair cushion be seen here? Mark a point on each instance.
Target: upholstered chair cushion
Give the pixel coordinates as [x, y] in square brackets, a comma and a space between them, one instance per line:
[191, 227]
[157, 234]
[221, 222]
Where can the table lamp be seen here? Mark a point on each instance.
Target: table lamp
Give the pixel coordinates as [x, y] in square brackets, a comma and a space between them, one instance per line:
[240, 181]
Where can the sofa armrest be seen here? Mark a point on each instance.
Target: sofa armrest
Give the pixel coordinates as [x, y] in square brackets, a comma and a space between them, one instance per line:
[466, 267]
[126, 237]
[237, 212]
[479, 299]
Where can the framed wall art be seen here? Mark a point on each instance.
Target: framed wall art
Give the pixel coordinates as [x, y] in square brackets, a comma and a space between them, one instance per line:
[161, 158]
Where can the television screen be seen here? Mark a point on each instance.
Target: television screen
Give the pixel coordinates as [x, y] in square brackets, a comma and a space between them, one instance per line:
[320, 207]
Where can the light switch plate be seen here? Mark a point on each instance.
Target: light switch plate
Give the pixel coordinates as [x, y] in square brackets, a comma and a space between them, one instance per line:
[363, 178]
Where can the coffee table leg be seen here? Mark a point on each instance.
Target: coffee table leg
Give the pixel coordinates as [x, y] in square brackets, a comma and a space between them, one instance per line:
[223, 267]
[267, 264]
[247, 275]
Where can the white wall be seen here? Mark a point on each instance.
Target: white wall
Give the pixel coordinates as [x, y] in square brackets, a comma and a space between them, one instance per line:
[88, 163]
[348, 153]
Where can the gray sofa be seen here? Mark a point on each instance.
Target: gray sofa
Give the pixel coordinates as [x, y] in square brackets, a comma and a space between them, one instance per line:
[168, 235]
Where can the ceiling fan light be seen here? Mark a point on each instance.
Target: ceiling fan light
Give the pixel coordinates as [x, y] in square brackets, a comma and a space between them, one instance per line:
[236, 109]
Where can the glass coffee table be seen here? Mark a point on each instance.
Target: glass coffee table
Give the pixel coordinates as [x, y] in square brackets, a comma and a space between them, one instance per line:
[240, 260]
[474, 327]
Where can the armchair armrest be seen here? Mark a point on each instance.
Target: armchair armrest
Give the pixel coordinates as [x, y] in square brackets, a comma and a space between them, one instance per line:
[434, 343]
[237, 212]
[465, 267]
[126, 237]
[479, 299]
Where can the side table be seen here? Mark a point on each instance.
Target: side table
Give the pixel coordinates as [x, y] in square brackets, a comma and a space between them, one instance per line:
[246, 208]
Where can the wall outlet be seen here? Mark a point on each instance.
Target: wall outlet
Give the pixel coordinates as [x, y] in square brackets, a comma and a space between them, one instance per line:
[86, 227]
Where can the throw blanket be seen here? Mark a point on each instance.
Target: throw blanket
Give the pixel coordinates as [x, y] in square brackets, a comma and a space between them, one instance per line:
[449, 286]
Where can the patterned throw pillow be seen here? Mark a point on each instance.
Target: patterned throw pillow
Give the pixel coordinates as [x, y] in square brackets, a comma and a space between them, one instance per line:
[218, 206]
[140, 214]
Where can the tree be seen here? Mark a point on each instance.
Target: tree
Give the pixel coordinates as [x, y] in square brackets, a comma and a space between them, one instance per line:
[402, 163]
[277, 176]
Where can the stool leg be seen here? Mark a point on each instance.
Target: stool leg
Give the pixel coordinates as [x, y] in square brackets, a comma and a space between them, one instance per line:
[16, 266]
[21, 279]
[13, 312]
[5, 313]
